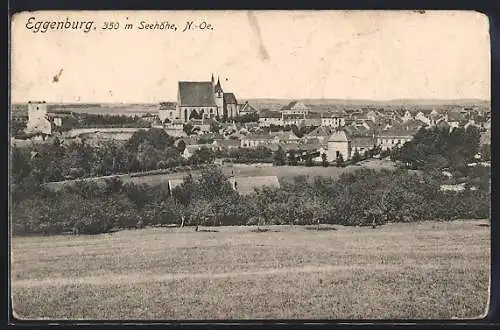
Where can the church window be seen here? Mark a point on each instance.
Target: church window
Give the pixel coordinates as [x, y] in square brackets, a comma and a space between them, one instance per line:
[211, 110]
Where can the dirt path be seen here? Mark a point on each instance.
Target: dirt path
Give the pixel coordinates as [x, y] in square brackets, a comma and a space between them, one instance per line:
[138, 278]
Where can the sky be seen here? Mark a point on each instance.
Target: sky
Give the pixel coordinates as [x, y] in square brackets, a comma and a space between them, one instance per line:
[367, 55]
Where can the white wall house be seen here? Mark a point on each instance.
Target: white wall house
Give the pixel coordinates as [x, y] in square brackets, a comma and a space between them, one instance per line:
[338, 143]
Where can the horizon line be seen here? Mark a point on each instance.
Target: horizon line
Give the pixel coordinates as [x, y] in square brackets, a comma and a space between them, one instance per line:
[264, 98]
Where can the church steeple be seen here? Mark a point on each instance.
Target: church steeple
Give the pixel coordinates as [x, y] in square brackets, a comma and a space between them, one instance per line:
[212, 78]
[218, 89]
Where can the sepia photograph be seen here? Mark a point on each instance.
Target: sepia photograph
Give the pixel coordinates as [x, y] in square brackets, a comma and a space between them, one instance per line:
[249, 165]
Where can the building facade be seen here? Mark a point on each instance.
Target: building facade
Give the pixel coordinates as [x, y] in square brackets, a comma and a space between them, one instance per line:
[198, 99]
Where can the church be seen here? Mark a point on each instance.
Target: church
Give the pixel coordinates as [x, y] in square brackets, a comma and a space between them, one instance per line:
[198, 99]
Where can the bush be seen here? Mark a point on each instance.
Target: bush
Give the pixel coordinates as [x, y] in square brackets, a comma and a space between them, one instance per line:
[363, 197]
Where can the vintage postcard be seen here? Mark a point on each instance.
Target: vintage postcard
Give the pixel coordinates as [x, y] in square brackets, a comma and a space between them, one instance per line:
[231, 165]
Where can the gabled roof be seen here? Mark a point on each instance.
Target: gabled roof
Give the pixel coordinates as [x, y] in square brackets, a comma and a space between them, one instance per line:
[229, 98]
[196, 94]
[340, 136]
[398, 131]
[321, 131]
[295, 105]
[254, 137]
[227, 142]
[284, 135]
[247, 108]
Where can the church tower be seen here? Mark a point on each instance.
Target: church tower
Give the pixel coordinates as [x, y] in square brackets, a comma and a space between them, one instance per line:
[219, 97]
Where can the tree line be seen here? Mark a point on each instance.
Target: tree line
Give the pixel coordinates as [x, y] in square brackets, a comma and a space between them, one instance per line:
[144, 151]
[440, 148]
[365, 197]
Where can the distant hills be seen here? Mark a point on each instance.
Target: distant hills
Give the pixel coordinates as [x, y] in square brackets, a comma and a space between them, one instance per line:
[319, 105]
[360, 102]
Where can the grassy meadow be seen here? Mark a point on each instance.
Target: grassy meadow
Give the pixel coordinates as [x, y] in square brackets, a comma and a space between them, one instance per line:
[283, 173]
[436, 270]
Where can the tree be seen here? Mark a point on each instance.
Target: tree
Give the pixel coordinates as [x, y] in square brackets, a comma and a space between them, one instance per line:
[309, 160]
[485, 151]
[279, 157]
[340, 160]
[203, 155]
[324, 160]
[181, 145]
[148, 156]
[188, 128]
[292, 157]
[356, 157]
[215, 127]
[296, 131]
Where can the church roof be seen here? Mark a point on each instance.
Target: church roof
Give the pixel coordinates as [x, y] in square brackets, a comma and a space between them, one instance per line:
[196, 94]
[229, 98]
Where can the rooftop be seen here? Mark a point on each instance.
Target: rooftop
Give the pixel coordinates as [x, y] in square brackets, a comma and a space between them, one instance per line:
[196, 94]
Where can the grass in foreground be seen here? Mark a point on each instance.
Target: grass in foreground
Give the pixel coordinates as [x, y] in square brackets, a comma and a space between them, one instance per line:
[420, 270]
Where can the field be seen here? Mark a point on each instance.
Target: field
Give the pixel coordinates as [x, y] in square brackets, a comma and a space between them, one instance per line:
[421, 270]
[282, 172]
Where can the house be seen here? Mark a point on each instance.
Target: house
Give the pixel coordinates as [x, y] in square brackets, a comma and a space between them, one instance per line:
[226, 144]
[230, 109]
[292, 119]
[295, 108]
[204, 124]
[338, 144]
[321, 133]
[434, 117]
[454, 119]
[268, 118]
[395, 137]
[247, 108]
[335, 119]
[362, 139]
[374, 116]
[284, 137]
[150, 118]
[255, 140]
[190, 150]
[349, 140]
[423, 118]
[312, 119]
[407, 116]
